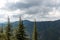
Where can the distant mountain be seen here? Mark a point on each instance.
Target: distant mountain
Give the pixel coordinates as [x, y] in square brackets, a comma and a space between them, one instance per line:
[47, 30]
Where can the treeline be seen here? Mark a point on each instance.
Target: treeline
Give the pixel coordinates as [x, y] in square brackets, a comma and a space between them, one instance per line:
[19, 33]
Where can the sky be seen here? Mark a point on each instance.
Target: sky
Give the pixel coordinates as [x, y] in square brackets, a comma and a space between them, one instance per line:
[41, 10]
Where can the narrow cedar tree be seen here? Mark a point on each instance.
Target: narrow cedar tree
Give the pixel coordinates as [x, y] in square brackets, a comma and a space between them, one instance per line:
[20, 33]
[1, 33]
[1, 29]
[8, 30]
[34, 35]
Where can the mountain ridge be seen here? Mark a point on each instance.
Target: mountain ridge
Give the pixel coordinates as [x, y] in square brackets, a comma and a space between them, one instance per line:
[47, 30]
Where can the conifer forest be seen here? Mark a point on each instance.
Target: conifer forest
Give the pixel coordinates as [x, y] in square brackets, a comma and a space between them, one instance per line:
[18, 33]
[29, 19]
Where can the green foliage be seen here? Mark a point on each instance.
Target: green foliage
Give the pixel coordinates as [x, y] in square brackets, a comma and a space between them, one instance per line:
[20, 32]
[8, 30]
[34, 36]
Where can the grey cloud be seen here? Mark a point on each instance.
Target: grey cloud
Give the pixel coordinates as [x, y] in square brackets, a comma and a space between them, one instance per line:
[41, 7]
[38, 8]
[30, 3]
[19, 5]
[17, 16]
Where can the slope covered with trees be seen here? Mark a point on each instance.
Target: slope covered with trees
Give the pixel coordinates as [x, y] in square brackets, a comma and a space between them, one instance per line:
[26, 30]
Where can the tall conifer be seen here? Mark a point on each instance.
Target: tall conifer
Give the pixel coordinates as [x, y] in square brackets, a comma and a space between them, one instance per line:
[20, 33]
[8, 30]
[34, 35]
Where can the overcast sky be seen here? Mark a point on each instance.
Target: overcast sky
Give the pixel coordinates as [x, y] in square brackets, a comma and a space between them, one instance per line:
[42, 10]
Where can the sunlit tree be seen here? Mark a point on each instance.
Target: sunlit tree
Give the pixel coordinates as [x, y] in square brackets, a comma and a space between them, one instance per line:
[20, 32]
[34, 35]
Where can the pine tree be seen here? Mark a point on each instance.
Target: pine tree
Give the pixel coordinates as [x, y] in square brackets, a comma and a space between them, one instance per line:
[20, 32]
[1, 29]
[1, 33]
[8, 30]
[34, 35]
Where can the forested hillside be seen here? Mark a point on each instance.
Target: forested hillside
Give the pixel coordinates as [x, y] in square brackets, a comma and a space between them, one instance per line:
[46, 30]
